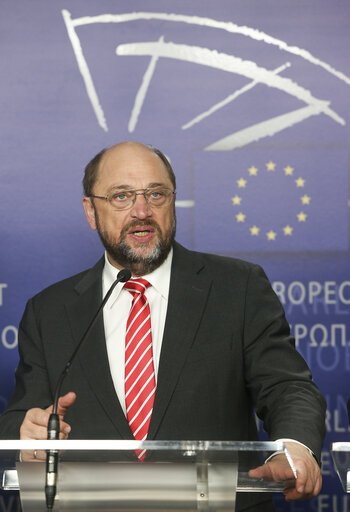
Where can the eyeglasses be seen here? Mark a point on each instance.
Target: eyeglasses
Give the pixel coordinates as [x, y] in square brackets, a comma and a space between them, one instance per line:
[124, 199]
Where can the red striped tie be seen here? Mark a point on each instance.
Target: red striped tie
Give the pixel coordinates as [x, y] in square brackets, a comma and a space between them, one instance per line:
[140, 381]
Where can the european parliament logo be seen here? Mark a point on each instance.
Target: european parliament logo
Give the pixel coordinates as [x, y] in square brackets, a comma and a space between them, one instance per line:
[171, 45]
[271, 201]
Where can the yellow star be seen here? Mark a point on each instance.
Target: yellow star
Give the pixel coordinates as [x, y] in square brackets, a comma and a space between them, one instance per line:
[288, 170]
[288, 230]
[236, 200]
[300, 182]
[301, 217]
[254, 231]
[241, 183]
[305, 199]
[271, 235]
[270, 166]
[240, 217]
[253, 171]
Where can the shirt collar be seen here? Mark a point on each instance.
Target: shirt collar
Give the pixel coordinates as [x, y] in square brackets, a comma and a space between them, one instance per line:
[159, 278]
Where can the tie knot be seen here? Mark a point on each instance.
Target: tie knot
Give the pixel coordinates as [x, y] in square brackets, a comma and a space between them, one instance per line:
[138, 285]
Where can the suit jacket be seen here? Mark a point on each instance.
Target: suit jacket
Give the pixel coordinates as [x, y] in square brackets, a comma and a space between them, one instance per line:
[226, 349]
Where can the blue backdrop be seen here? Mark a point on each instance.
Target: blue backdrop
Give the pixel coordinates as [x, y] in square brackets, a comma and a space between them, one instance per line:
[250, 101]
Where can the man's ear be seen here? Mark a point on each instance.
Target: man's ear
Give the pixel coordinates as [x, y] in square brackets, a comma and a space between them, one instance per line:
[89, 212]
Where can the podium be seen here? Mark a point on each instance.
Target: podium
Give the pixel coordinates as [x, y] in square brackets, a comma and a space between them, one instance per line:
[105, 475]
[341, 459]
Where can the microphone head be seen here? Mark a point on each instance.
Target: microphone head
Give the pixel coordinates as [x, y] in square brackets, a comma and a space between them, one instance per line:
[124, 275]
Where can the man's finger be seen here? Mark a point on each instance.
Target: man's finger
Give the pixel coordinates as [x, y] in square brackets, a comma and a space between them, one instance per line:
[277, 469]
[34, 425]
[293, 494]
[65, 402]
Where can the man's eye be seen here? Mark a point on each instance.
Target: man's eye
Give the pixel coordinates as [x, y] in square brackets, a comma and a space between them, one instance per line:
[156, 194]
[121, 196]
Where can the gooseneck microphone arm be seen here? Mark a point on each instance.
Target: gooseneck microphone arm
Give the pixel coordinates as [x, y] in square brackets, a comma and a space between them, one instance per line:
[53, 428]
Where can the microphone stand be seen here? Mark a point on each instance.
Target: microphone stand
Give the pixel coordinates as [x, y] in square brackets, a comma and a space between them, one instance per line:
[53, 428]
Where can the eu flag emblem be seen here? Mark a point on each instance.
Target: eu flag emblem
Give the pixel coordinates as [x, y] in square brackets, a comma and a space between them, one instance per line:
[271, 201]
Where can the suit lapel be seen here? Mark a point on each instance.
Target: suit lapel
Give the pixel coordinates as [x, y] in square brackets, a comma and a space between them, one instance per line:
[92, 356]
[189, 288]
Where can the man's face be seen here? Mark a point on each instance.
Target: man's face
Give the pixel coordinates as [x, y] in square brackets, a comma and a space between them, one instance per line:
[141, 237]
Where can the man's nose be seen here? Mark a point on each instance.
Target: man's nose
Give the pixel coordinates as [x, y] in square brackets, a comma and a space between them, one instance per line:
[141, 209]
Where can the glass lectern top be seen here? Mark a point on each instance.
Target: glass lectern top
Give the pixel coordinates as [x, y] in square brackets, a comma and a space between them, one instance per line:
[245, 455]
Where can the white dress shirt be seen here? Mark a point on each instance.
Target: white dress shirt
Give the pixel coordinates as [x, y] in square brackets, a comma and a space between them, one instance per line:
[116, 312]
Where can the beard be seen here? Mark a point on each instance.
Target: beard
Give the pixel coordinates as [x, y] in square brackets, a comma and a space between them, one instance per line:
[139, 260]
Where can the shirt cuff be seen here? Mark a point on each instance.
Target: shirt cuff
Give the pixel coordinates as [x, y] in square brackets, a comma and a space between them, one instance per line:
[284, 440]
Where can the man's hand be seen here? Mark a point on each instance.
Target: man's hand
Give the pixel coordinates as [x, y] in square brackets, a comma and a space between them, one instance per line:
[34, 425]
[309, 481]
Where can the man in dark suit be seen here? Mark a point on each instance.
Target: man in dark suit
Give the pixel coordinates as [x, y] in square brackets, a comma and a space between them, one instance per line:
[221, 343]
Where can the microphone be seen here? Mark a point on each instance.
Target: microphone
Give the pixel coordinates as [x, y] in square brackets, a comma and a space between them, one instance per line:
[53, 428]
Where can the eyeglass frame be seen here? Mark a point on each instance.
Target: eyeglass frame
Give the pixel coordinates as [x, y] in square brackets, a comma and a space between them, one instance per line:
[138, 192]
